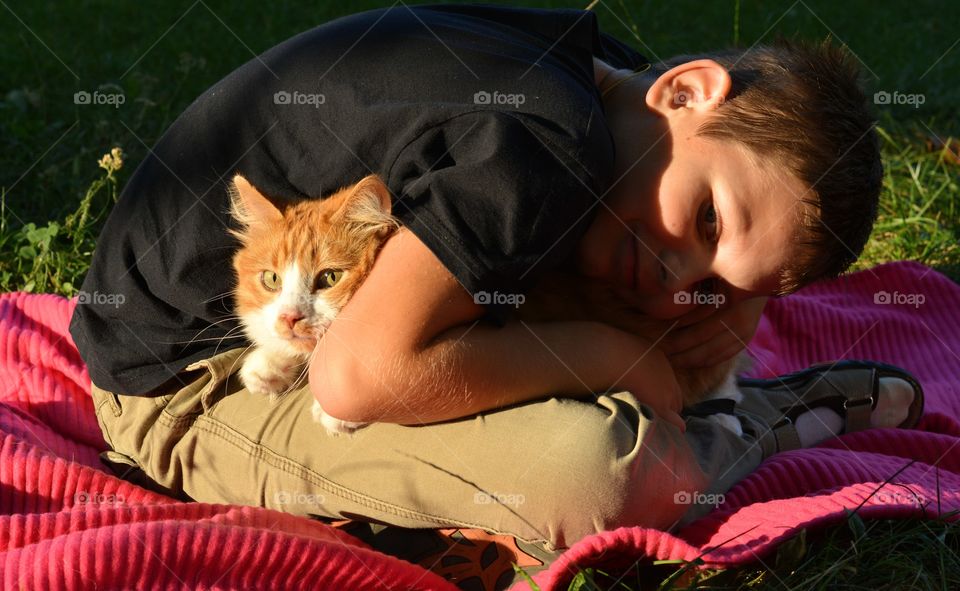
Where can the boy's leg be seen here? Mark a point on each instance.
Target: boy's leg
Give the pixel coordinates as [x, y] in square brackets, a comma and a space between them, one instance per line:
[547, 472]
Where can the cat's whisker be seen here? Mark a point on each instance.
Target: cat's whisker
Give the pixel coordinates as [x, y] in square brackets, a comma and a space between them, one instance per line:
[234, 364]
[230, 336]
[219, 296]
[197, 338]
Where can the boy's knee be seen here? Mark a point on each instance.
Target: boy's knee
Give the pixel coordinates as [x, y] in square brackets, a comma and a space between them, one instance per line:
[608, 464]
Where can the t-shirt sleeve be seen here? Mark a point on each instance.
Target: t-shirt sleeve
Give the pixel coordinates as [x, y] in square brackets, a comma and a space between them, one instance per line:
[498, 199]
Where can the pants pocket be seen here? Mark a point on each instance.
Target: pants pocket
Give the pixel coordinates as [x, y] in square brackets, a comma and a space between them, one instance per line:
[202, 384]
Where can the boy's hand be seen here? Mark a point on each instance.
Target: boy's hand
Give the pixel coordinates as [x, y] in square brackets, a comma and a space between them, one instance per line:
[652, 381]
[707, 335]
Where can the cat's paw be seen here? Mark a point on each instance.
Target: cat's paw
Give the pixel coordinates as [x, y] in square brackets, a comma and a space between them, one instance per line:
[728, 422]
[332, 425]
[265, 376]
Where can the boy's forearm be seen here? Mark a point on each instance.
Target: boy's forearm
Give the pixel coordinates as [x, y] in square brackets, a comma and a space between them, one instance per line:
[471, 369]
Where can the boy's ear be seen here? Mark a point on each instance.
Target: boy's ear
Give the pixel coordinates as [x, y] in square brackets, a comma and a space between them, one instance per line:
[249, 206]
[701, 85]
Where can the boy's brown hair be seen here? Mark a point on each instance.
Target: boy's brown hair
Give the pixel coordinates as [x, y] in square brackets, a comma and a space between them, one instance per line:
[803, 106]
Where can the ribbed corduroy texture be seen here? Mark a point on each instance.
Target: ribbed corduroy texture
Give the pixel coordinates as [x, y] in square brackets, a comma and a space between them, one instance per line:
[66, 524]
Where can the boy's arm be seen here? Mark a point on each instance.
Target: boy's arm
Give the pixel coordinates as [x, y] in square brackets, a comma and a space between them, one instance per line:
[408, 349]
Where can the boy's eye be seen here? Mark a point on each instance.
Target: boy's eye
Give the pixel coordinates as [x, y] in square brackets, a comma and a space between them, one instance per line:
[710, 222]
[270, 280]
[328, 278]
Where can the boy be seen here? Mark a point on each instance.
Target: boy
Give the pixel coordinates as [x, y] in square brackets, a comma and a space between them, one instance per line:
[516, 142]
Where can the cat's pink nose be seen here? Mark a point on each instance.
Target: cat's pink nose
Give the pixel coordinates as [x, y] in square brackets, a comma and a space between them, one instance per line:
[290, 318]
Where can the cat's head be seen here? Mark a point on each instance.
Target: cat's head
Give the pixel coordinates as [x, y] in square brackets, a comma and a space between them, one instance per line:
[299, 263]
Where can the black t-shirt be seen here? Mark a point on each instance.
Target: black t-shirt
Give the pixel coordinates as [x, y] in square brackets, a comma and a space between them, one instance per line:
[484, 121]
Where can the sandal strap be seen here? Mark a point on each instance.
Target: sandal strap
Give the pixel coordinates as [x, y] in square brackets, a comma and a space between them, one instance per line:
[786, 436]
[858, 388]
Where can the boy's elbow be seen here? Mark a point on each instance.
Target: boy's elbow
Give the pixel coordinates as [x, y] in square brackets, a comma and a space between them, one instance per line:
[346, 389]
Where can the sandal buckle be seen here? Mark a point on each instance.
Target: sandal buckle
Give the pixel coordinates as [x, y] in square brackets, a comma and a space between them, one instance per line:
[859, 402]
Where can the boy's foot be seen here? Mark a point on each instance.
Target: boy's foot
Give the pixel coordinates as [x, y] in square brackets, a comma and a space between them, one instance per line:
[843, 397]
[895, 397]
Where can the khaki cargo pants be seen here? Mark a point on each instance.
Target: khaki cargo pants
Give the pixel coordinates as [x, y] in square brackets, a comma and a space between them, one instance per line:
[548, 472]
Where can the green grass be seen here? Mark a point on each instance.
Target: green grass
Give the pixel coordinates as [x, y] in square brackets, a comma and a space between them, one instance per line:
[162, 55]
[877, 555]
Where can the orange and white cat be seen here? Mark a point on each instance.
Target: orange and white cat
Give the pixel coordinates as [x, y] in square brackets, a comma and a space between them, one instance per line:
[297, 266]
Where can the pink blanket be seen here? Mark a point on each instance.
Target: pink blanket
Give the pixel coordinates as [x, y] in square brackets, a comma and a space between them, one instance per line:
[66, 523]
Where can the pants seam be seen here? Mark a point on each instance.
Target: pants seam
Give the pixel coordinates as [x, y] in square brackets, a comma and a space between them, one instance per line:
[106, 433]
[275, 460]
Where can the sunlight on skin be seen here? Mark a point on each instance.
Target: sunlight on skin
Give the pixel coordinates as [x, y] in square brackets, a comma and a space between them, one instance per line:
[686, 209]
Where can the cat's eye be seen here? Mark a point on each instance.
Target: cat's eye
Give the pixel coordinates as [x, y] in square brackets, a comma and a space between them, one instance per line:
[328, 278]
[270, 280]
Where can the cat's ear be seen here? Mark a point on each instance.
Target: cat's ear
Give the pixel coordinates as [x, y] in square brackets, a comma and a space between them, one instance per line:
[368, 204]
[249, 206]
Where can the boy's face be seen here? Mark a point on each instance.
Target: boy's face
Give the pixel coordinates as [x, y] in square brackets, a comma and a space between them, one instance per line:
[689, 214]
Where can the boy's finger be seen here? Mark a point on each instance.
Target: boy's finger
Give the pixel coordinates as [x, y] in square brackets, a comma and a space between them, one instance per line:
[695, 315]
[708, 354]
[684, 339]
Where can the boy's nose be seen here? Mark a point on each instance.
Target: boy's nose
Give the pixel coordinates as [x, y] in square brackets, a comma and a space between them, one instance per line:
[682, 274]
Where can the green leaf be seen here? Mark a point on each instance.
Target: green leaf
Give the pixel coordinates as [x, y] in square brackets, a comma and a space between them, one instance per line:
[792, 552]
[523, 574]
[856, 525]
